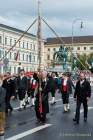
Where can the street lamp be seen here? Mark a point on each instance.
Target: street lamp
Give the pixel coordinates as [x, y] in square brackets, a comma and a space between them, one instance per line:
[81, 26]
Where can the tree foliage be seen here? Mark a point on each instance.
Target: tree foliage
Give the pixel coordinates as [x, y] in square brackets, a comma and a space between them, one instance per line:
[90, 59]
[82, 59]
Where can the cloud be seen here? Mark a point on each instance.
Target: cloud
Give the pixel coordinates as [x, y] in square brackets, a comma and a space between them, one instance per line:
[58, 13]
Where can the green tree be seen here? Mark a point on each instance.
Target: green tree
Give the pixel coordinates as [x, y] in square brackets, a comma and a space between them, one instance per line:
[82, 59]
[90, 59]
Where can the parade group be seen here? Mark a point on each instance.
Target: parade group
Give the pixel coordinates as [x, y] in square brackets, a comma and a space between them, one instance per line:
[35, 91]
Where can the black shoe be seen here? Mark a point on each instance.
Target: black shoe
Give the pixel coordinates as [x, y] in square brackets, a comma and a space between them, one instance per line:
[11, 109]
[43, 122]
[69, 110]
[65, 111]
[38, 121]
[74, 120]
[32, 105]
[27, 103]
[24, 107]
[20, 109]
[53, 103]
[6, 111]
[85, 119]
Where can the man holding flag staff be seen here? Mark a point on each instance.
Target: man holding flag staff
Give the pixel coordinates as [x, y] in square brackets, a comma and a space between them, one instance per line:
[41, 102]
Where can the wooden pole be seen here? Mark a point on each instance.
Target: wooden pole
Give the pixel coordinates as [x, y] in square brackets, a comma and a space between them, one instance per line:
[39, 37]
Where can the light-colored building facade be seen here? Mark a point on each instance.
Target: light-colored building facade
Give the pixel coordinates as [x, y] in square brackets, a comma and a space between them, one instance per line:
[26, 48]
[81, 45]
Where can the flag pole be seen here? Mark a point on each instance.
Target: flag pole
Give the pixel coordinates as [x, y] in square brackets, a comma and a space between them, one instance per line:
[39, 37]
[39, 40]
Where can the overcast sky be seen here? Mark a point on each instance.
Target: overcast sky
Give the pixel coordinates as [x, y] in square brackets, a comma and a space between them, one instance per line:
[59, 14]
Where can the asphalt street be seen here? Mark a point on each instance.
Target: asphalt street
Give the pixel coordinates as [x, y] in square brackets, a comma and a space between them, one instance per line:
[59, 126]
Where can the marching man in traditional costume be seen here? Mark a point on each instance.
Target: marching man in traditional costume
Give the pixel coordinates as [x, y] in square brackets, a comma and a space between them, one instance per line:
[41, 102]
[65, 93]
[22, 89]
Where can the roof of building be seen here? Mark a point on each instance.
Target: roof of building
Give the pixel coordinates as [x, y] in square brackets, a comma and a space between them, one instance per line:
[68, 40]
[15, 29]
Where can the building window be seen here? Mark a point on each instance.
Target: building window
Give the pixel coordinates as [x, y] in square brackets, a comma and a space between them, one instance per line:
[14, 56]
[30, 57]
[10, 55]
[31, 46]
[5, 40]
[0, 69]
[19, 43]
[34, 47]
[27, 58]
[48, 57]
[78, 48]
[14, 69]
[27, 69]
[27, 45]
[23, 44]
[91, 48]
[49, 49]
[72, 48]
[10, 69]
[5, 52]
[0, 39]
[84, 48]
[10, 42]
[34, 58]
[0, 53]
[19, 56]
[54, 49]
[23, 57]
[15, 41]
[30, 69]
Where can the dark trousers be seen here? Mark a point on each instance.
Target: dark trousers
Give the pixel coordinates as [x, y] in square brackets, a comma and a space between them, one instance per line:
[8, 105]
[52, 92]
[65, 98]
[85, 106]
[21, 94]
[32, 93]
[41, 117]
[29, 93]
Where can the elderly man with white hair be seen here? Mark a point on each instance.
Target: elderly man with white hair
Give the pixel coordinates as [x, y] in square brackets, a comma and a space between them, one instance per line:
[41, 102]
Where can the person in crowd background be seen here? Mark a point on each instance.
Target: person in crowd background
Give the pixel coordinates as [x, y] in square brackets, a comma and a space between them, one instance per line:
[2, 108]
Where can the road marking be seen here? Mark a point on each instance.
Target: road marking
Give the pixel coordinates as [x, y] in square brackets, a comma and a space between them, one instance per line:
[29, 132]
